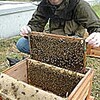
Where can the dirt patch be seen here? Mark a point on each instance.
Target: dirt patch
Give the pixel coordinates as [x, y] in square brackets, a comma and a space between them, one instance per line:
[8, 49]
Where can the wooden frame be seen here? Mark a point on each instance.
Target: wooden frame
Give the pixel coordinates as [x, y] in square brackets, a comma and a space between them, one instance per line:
[81, 92]
[93, 52]
[66, 50]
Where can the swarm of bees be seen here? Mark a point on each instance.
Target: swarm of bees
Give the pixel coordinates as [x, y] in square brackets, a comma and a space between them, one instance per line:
[51, 78]
[61, 51]
[59, 59]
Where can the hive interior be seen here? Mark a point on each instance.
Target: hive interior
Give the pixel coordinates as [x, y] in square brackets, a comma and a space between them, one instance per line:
[58, 50]
[51, 78]
[57, 60]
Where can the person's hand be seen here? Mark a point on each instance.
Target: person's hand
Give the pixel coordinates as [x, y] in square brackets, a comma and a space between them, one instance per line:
[94, 39]
[25, 30]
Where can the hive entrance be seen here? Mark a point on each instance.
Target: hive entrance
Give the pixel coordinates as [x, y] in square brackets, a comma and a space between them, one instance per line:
[61, 51]
[51, 78]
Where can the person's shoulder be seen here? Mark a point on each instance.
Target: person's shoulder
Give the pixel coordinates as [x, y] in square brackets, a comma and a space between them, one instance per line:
[83, 2]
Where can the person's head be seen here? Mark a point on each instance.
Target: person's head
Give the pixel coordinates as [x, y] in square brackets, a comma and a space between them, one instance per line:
[55, 2]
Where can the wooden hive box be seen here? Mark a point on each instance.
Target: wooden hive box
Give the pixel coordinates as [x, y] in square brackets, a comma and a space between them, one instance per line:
[14, 83]
[93, 52]
[56, 73]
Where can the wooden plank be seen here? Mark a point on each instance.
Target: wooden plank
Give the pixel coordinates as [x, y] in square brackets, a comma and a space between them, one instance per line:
[12, 89]
[93, 52]
[18, 71]
[55, 35]
[78, 90]
[0, 98]
[90, 88]
[91, 98]
[88, 50]
[97, 48]
[84, 93]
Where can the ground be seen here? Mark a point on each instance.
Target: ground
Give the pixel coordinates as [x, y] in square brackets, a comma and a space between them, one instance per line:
[8, 49]
[95, 64]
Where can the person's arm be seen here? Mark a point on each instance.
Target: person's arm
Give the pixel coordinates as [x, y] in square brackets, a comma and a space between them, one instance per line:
[37, 22]
[85, 16]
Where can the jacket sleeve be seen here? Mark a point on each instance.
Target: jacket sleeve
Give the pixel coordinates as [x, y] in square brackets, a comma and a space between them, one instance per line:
[38, 20]
[85, 16]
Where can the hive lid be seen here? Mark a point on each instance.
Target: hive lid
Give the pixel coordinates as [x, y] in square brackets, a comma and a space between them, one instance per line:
[62, 51]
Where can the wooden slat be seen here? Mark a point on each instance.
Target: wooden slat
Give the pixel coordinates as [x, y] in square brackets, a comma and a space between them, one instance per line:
[84, 93]
[88, 50]
[12, 89]
[55, 35]
[91, 98]
[78, 90]
[93, 52]
[0, 98]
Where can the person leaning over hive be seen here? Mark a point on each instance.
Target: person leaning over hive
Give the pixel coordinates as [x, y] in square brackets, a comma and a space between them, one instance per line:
[66, 17]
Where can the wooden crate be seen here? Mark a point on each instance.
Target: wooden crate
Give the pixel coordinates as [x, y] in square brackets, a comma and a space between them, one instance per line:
[15, 80]
[93, 52]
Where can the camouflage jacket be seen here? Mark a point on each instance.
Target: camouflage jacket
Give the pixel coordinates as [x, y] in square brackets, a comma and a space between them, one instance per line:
[71, 17]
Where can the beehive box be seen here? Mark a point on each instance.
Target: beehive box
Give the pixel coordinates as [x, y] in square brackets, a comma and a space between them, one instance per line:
[57, 72]
[14, 83]
[93, 52]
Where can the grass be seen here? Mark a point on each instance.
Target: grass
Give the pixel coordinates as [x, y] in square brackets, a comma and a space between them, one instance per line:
[8, 49]
[95, 64]
[97, 9]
